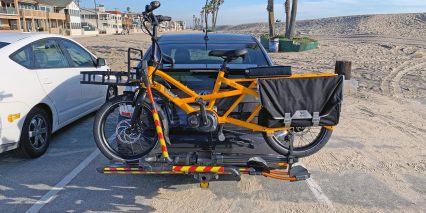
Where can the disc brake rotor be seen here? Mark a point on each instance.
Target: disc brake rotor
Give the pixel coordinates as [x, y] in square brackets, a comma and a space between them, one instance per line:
[125, 136]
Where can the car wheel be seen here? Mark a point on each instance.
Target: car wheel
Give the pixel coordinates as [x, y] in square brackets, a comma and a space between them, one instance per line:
[111, 93]
[35, 135]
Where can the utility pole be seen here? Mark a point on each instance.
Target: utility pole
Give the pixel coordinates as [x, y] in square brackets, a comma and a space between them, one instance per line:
[97, 16]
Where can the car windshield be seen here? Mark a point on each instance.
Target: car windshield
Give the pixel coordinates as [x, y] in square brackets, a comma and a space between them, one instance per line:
[3, 44]
[199, 53]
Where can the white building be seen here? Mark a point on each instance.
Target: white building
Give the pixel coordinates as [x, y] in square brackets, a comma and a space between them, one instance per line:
[116, 20]
[89, 21]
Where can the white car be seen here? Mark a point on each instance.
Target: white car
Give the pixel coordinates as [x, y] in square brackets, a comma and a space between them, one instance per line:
[40, 90]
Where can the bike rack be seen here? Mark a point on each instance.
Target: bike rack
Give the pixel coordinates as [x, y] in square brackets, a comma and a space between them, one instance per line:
[208, 165]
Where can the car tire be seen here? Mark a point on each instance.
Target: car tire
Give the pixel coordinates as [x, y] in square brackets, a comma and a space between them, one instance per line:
[112, 92]
[35, 134]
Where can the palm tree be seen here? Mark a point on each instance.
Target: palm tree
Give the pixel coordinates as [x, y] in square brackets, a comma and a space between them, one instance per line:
[128, 9]
[270, 9]
[215, 4]
[290, 32]
[287, 14]
[207, 10]
[202, 16]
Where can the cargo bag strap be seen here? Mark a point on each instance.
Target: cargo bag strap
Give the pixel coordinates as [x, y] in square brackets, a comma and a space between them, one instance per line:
[287, 120]
[315, 119]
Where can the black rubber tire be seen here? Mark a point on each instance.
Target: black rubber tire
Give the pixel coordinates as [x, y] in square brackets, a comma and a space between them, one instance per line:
[98, 130]
[322, 138]
[25, 148]
[311, 149]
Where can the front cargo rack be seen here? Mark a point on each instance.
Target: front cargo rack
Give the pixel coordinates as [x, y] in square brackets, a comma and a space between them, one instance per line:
[117, 78]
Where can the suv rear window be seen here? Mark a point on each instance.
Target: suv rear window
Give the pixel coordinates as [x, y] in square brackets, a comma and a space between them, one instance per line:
[199, 53]
[3, 44]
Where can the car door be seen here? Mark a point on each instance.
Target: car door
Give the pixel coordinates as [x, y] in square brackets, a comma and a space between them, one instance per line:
[93, 95]
[59, 80]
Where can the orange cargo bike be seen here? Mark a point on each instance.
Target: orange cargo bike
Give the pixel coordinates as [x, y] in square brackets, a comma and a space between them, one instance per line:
[133, 130]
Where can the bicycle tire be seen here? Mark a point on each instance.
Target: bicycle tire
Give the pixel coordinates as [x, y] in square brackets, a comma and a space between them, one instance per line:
[314, 146]
[99, 134]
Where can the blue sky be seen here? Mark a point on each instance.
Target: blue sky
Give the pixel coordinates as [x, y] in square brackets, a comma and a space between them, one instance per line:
[249, 11]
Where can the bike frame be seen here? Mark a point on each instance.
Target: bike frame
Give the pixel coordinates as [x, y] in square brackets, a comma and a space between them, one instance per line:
[184, 103]
[237, 90]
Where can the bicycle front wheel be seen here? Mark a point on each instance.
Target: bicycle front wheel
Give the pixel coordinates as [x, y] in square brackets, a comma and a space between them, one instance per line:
[116, 138]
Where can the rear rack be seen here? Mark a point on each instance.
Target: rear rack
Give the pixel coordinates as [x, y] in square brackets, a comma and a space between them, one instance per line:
[116, 78]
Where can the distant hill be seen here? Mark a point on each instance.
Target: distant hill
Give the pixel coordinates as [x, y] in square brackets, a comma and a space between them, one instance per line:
[411, 25]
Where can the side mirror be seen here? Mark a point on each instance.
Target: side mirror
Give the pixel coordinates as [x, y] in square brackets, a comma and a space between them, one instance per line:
[100, 62]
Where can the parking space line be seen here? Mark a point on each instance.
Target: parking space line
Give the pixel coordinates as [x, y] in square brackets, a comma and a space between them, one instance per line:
[52, 194]
[61, 154]
[319, 195]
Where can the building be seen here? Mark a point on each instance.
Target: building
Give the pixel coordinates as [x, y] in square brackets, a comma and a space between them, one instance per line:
[9, 16]
[105, 23]
[53, 16]
[172, 26]
[71, 11]
[40, 16]
[89, 21]
[181, 25]
[117, 21]
[132, 21]
[100, 20]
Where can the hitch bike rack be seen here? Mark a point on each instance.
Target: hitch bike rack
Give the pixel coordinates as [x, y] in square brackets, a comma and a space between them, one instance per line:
[208, 165]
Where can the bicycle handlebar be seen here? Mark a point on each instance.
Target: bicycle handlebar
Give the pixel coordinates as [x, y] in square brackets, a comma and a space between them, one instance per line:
[155, 21]
[161, 18]
[152, 6]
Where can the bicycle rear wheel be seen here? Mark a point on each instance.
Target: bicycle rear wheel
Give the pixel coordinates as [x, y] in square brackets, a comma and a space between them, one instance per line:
[306, 140]
[113, 133]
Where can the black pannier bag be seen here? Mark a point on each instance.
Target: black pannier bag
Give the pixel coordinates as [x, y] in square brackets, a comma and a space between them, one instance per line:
[300, 102]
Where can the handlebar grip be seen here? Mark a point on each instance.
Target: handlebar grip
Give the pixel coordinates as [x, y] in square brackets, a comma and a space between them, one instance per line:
[161, 18]
[151, 7]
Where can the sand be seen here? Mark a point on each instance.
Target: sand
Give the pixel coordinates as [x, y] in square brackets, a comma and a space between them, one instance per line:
[382, 131]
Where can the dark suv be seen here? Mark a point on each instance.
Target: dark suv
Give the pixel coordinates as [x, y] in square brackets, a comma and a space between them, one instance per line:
[196, 69]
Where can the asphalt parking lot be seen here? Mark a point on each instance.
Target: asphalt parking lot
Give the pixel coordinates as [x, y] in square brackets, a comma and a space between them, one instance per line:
[65, 180]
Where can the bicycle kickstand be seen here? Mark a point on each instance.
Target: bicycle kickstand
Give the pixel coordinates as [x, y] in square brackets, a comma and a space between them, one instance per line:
[290, 156]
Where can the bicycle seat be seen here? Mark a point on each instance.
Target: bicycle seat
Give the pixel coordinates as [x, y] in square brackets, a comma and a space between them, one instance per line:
[229, 54]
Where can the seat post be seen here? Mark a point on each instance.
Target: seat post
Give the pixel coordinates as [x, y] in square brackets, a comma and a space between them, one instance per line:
[224, 64]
